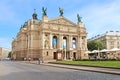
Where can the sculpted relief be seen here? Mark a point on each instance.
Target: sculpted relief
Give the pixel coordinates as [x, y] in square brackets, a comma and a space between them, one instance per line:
[62, 21]
[46, 43]
[83, 42]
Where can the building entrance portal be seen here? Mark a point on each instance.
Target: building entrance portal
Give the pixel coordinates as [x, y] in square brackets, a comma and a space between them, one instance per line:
[74, 55]
[66, 55]
[54, 55]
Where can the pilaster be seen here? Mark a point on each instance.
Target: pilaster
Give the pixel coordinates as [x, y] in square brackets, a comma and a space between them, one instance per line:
[70, 42]
[42, 40]
[86, 44]
[51, 37]
[61, 41]
[80, 42]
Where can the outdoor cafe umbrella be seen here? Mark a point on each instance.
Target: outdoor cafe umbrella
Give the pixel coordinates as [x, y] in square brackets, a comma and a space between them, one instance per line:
[115, 49]
[104, 50]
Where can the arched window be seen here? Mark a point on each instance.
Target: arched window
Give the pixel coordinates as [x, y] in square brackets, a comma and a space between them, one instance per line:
[64, 42]
[74, 43]
[54, 42]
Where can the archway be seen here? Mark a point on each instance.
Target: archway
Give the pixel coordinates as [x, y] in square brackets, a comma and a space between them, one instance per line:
[74, 55]
[74, 43]
[64, 42]
[54, 42]
[64, 48]
[54, 55]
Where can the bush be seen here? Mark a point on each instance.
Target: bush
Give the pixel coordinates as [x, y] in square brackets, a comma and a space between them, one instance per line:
[96, 60]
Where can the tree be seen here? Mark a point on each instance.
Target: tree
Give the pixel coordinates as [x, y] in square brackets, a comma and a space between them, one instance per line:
[9, 55]
[95, 45]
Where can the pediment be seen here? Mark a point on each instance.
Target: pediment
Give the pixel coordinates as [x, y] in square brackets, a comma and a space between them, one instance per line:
[62, 21]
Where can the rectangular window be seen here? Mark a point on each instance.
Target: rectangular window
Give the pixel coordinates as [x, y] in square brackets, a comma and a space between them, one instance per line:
[47, 53]
[111, 47]
[112, 43]
[118, 43]
[118, 46]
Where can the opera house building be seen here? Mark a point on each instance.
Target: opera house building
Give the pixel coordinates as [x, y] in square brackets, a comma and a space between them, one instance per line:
[50, 39]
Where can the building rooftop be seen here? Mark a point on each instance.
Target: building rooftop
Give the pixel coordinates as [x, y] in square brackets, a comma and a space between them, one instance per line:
[114, 33]
[111, 33]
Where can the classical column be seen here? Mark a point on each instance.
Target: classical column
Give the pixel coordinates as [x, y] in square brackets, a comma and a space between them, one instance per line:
[86, 44]
[51, 37]
[28, 46]
[61, 44]
[78, 42]
[65, 54]
[70, 42]
[70, 46]
[27, 41]
[43, 40]
[67, 42]
[61, 41]
[31, 42]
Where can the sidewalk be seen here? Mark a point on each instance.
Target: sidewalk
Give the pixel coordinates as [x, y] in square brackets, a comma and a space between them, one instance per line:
[84, 68]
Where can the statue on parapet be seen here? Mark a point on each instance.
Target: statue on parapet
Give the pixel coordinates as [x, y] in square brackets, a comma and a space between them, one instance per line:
[79, 18]
[44, 10]
[61, 11]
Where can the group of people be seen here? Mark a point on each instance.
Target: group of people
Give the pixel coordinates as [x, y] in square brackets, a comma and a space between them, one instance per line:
[40, 60]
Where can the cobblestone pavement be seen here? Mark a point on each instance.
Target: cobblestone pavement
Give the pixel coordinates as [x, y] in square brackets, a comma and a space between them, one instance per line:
[22, 71]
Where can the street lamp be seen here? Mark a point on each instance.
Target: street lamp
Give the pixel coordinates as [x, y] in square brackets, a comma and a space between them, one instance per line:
[64, 50]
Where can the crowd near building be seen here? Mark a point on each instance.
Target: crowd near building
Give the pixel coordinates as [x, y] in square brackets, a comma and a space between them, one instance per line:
[4, 53]
[50, 39]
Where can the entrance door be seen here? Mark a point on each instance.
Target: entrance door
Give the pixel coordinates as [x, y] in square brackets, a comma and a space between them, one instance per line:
[68, 55]
[54, 55]
[74, 55]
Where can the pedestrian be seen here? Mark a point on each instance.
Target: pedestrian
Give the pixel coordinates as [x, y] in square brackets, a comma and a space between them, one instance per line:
[25, 59]
[42, 60]
[29, 59]
[39, 60]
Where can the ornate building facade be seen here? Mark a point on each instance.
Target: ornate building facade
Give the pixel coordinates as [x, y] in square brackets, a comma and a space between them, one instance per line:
[50, 39]
[110, 39]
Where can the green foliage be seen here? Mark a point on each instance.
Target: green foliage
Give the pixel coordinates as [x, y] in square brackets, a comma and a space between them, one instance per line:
[9, 55]
[114, 64]
[95, 45]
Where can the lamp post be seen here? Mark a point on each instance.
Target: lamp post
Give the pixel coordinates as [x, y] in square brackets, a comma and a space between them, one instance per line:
[71, 57]
[64, 53]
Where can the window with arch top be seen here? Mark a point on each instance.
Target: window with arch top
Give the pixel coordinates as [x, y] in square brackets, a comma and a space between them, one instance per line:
[64, 42]
[54, 42]
[74, 43]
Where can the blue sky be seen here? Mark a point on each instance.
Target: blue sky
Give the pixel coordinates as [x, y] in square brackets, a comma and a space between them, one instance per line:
[98, 16]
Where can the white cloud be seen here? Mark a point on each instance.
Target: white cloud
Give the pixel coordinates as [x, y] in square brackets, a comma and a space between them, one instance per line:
[99, 17]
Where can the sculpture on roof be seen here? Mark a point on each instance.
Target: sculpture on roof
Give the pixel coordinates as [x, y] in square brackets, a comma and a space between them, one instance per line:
[34, 14]
[79, 18]
[44, 10]
[61, 11]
